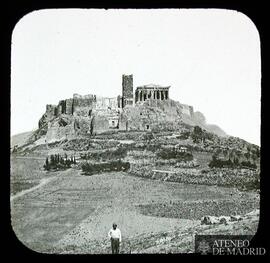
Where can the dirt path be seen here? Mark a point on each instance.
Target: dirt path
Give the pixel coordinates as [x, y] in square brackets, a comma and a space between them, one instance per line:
[43, 182]
[74, 213]
[29, 157]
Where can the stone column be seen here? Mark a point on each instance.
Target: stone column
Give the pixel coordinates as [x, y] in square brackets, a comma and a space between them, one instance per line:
[155, 94]
[136, 96]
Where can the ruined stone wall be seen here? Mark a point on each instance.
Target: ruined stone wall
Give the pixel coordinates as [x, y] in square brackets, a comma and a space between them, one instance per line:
[82, 116]
[119, 101]
[82, 125]
[127, 90]
[100, 124]
[60, 107]
[113, 122]
[105, 103]
[51, 110]
[60, 130]
[69, 106]
[151, 116]
[123, 122]
[83, 104]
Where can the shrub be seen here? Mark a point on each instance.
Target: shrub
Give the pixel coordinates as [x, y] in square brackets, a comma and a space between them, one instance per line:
[56, 162]
[218, 163]
[112, 154]
[197, 134]
[90, 169]
[171, 153]
[248, 164]
[184, 135]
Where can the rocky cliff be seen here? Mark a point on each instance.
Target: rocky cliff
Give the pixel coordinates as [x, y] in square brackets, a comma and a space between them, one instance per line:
[89, 115]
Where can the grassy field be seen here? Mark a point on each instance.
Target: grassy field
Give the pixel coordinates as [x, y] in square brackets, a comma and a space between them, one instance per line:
[72, 213]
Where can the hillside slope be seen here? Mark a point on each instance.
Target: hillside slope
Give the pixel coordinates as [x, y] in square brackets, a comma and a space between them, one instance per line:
[20, 139]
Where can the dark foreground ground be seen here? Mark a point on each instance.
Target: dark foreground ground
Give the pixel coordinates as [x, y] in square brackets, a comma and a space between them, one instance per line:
[67, 212]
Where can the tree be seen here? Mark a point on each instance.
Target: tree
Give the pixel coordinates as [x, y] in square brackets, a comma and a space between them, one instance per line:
[62, 161]
[247, 155]
[197, 134]
[253, 158]
[47, 164]
[231, 155]
[92, 126]
[52, 160]
[235, 161]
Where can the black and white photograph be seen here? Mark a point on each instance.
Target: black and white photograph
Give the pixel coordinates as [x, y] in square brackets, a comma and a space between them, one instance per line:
[135, 131]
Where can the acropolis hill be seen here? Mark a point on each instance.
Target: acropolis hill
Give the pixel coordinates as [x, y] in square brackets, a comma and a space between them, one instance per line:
[141, 159]
[148, 109]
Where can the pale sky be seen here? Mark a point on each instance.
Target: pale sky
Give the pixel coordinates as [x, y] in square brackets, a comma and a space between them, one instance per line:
[210, 57]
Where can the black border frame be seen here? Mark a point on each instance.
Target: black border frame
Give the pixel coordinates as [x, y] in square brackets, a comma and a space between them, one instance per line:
[256, 11]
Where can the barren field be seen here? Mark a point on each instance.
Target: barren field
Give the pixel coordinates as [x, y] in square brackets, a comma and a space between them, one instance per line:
[67, 212]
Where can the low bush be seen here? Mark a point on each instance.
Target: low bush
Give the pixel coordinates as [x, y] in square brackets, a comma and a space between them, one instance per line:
[219, 163]
[90, 169]
[172, 153]
[111, 154]
[141, 154]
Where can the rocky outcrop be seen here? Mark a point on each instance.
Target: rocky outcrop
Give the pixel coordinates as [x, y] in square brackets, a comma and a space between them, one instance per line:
[89, 114]
[197, 118]
[153, 115]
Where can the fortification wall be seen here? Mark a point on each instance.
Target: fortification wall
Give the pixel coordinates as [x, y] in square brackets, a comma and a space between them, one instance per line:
[93, 114]
[100, 124]
[151, 116]
[105, 103]
[83, 102]
[69, 106]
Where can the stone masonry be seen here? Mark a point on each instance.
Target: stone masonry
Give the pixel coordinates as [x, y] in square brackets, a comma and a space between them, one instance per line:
[151, 91]
[127, 90]
[149, 109]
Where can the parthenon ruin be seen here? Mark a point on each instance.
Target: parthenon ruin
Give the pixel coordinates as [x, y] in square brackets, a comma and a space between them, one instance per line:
[151, 91]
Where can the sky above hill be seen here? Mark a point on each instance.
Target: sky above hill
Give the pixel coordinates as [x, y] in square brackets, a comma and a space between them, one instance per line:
[209, 57]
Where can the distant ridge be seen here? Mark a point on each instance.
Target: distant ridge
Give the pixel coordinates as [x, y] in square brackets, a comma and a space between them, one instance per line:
[20, 138]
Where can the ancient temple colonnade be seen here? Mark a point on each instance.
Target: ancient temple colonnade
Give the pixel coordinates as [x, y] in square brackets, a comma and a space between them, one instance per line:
[155, 92]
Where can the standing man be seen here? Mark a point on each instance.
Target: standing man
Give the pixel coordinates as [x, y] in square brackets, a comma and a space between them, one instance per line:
[115, 236]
